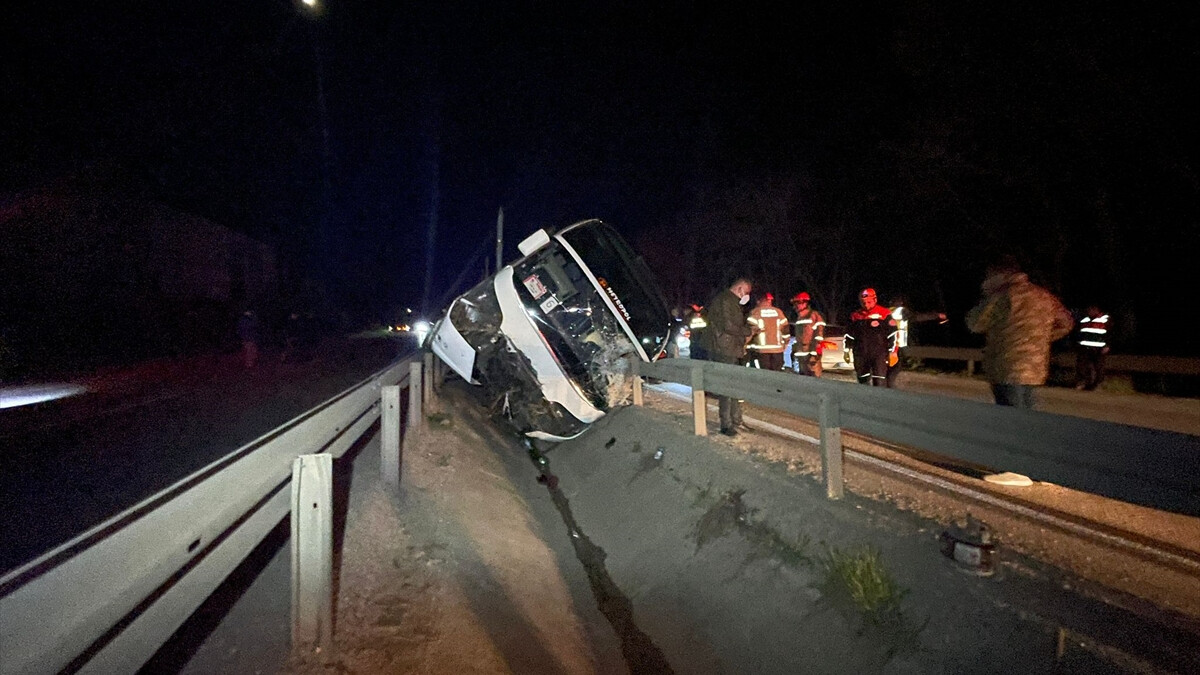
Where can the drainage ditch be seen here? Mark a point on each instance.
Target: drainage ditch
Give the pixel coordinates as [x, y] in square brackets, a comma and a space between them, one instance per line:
[640, 652]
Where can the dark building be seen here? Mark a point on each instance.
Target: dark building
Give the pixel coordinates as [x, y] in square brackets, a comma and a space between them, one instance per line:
[90, 275]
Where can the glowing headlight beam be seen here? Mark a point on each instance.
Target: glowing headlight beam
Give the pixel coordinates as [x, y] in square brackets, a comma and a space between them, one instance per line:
[15, 397]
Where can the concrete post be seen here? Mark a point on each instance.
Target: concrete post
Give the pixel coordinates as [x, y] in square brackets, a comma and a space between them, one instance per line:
[699, 410]
[831, 446]
[312, 551]
[413, 427]
[389, 441]
[635, 372]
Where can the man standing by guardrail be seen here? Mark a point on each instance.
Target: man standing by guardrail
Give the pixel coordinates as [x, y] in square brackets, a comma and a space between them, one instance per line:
[1019, 319]
[725, 341]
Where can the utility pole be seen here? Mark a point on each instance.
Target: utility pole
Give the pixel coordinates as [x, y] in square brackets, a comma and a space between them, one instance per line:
[500, 239]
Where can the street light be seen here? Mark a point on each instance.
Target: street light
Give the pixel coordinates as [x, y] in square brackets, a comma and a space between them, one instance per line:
[312, 10]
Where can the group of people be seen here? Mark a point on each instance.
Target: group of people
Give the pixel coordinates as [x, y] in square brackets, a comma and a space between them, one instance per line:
[779, 343]
[1018, 318]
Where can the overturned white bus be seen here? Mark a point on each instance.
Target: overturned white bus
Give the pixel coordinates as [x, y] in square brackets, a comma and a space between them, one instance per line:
[548, 337]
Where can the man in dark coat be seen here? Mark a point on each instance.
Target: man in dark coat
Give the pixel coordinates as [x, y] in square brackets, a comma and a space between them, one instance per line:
[725, 340]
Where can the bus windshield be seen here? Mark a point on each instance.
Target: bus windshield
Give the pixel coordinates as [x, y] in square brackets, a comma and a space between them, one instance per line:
[627, 281]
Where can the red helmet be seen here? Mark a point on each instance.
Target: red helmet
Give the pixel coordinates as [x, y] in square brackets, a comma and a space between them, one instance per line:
[770, 297]
[867, 293]
[801, 297]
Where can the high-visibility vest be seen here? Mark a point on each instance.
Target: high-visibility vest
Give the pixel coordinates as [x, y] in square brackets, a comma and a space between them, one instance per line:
[1093, 332]
[772, 332]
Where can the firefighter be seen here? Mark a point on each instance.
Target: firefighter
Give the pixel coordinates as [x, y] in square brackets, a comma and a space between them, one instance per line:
[1091, 346]
[900, 340]
[810, 335]
[771, 333]
[872, 336]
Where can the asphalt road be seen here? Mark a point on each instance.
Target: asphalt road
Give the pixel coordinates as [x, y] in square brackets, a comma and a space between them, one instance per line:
[70, 464]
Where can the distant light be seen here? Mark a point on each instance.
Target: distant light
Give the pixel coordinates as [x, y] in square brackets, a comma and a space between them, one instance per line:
[15, 397]
[421, 328]
[309, 3]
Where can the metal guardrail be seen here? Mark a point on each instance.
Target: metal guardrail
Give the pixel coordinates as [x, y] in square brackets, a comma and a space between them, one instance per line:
[1159, 469]
[105, 601]
[1121, 363]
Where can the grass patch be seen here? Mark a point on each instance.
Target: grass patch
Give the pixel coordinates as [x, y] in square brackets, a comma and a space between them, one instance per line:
[861, 578]
[439, 420]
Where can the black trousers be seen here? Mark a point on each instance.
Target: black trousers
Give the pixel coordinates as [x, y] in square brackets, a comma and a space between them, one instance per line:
[730, 407]
[1089, 368]
[872, 369]
[767, 361]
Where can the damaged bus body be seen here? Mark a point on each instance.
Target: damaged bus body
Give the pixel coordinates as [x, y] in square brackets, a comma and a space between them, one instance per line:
[548, 337]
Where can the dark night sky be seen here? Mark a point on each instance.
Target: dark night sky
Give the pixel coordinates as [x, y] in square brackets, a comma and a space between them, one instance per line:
[945, 133]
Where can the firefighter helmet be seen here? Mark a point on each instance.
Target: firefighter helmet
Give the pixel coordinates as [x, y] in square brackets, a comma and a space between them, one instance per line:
[800, 297]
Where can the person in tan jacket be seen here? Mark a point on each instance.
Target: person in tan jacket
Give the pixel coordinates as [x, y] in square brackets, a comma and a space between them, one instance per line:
[771, 331]
[1019, 319]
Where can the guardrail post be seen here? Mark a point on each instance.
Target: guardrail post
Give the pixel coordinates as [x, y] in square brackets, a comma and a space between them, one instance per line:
[635, 372]
[439, 375]
[831, 446]
[389, 441]
[427, 388]
[414, 404]
[312, 551]
[699, 410]
[970, 368]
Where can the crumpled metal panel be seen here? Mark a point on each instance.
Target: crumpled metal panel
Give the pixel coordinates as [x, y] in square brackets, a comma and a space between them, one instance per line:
[509, 383]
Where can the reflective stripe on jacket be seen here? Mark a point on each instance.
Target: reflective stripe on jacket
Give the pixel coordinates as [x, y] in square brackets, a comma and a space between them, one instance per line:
[810, 330]
[1093, 332]
[773, 331]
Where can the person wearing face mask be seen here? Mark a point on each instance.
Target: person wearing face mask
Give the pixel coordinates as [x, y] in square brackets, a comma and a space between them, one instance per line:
[725, 342]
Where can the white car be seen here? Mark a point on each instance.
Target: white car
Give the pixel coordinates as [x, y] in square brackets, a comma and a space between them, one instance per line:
[834, 356]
